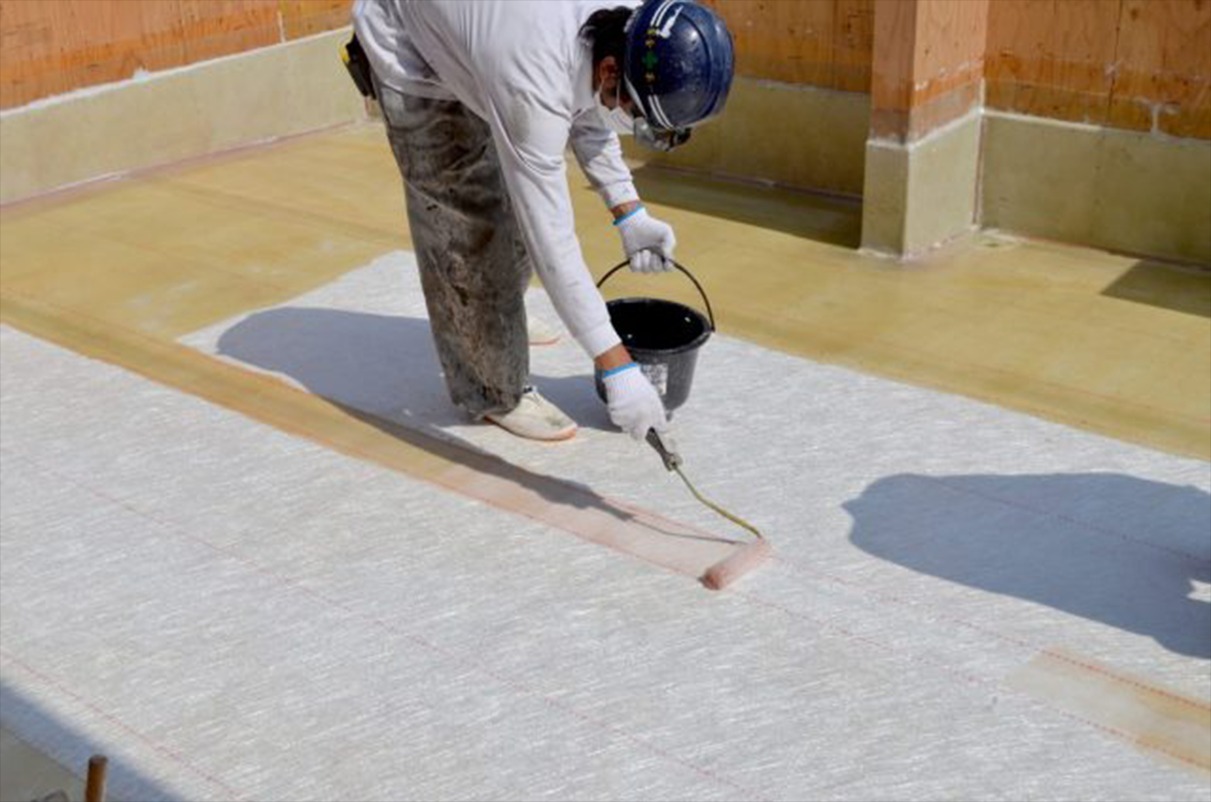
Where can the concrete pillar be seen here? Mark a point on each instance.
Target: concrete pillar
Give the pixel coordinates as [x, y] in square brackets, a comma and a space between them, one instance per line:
[923, 150]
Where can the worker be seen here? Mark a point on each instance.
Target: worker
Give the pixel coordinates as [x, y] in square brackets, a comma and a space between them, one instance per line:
[481, 99]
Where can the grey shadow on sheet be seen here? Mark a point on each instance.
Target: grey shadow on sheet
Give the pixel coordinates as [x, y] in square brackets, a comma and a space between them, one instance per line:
[384, 365]
[71, 748]
[383, 370]
[1108, 547]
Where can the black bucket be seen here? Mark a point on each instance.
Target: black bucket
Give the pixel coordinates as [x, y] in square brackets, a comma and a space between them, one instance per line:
[663, 337]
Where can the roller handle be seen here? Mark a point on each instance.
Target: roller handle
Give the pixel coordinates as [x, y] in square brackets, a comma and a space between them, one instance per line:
[671, 459]
[94, 788]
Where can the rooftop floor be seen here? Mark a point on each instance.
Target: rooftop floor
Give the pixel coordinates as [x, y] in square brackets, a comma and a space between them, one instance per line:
[250, 552]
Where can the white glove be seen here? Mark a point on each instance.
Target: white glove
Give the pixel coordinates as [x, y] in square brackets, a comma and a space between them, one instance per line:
[648, 242]
[634, 404]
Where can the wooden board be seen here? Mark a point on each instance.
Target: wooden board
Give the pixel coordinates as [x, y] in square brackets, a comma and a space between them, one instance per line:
[308, 17]
[54, 46]
[853, 45]
[209, 29]
[1136, 64]
[1162, 77]
[950, 51]
[895, 34]
[1051, 59]
[824, 43]
[928, 62]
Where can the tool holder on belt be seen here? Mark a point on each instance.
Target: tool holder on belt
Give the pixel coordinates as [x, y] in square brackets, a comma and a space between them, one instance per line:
[359, 67]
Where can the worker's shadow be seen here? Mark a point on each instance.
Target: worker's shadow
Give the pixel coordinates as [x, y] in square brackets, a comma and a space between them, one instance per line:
[377, 365]
[383, 370]
[1109, 547]
[381, 365]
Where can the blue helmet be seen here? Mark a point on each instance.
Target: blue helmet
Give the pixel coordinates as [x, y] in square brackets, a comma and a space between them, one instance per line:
[679, 63]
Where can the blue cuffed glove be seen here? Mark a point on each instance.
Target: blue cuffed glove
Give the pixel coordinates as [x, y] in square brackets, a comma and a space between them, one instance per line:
[633, 402]
[648, 242]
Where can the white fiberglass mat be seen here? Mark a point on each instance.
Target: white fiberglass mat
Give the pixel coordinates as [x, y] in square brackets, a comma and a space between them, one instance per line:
[233, 612]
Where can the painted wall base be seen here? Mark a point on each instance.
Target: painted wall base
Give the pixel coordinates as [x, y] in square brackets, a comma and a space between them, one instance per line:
[785, 134]
[1121, 190]
[177, 114]
[1126, 191]
[922, 194]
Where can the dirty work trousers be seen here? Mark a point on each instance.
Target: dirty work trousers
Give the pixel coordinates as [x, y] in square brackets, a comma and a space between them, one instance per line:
[474, 268]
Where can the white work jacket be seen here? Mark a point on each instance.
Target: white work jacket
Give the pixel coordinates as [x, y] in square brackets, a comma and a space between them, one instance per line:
[522, 66]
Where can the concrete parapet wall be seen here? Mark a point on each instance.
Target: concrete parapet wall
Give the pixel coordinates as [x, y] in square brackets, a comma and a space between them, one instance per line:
[1122, 190]
[177, 114]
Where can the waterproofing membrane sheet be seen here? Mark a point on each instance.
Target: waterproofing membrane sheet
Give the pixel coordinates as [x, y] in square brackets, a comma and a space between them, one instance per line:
[233, 611]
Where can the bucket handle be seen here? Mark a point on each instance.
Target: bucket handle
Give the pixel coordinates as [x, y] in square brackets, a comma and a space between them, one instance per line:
[689, 275]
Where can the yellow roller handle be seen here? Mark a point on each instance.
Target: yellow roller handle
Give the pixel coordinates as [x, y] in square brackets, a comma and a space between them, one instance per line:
[736, 519]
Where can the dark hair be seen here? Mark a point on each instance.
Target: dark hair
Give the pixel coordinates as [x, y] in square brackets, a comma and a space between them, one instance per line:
[606, 31]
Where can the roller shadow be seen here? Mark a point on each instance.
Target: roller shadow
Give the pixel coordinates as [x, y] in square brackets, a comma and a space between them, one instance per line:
[1107, 547]
[383, 370]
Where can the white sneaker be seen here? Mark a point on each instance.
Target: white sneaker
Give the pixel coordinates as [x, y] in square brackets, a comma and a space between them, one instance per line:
[540, 332]
[535, 418]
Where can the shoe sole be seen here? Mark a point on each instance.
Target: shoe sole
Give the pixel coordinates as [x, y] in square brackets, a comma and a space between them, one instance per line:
[563, 434]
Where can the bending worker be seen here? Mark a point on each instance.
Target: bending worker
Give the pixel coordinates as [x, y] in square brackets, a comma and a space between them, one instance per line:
[481, 99]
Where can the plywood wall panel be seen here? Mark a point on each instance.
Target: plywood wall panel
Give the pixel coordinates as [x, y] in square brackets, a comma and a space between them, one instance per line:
[1080, 71]
[1139, 64]
[27, 35]
[308, 17]
[953, 55]
[1136, 64]
[210, 29]
[54, 46]
[1162, 76]
[895, 33]
[925, 49]
[824, 43]
[928, 64]
[1016, 60]
[853, 44]
[782, 41]
[1052, 58]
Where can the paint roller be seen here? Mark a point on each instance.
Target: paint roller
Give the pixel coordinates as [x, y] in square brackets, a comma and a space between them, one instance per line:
[744, 559]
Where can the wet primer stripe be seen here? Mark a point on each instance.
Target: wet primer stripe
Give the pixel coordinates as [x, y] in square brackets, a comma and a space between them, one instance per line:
[1158, 721]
